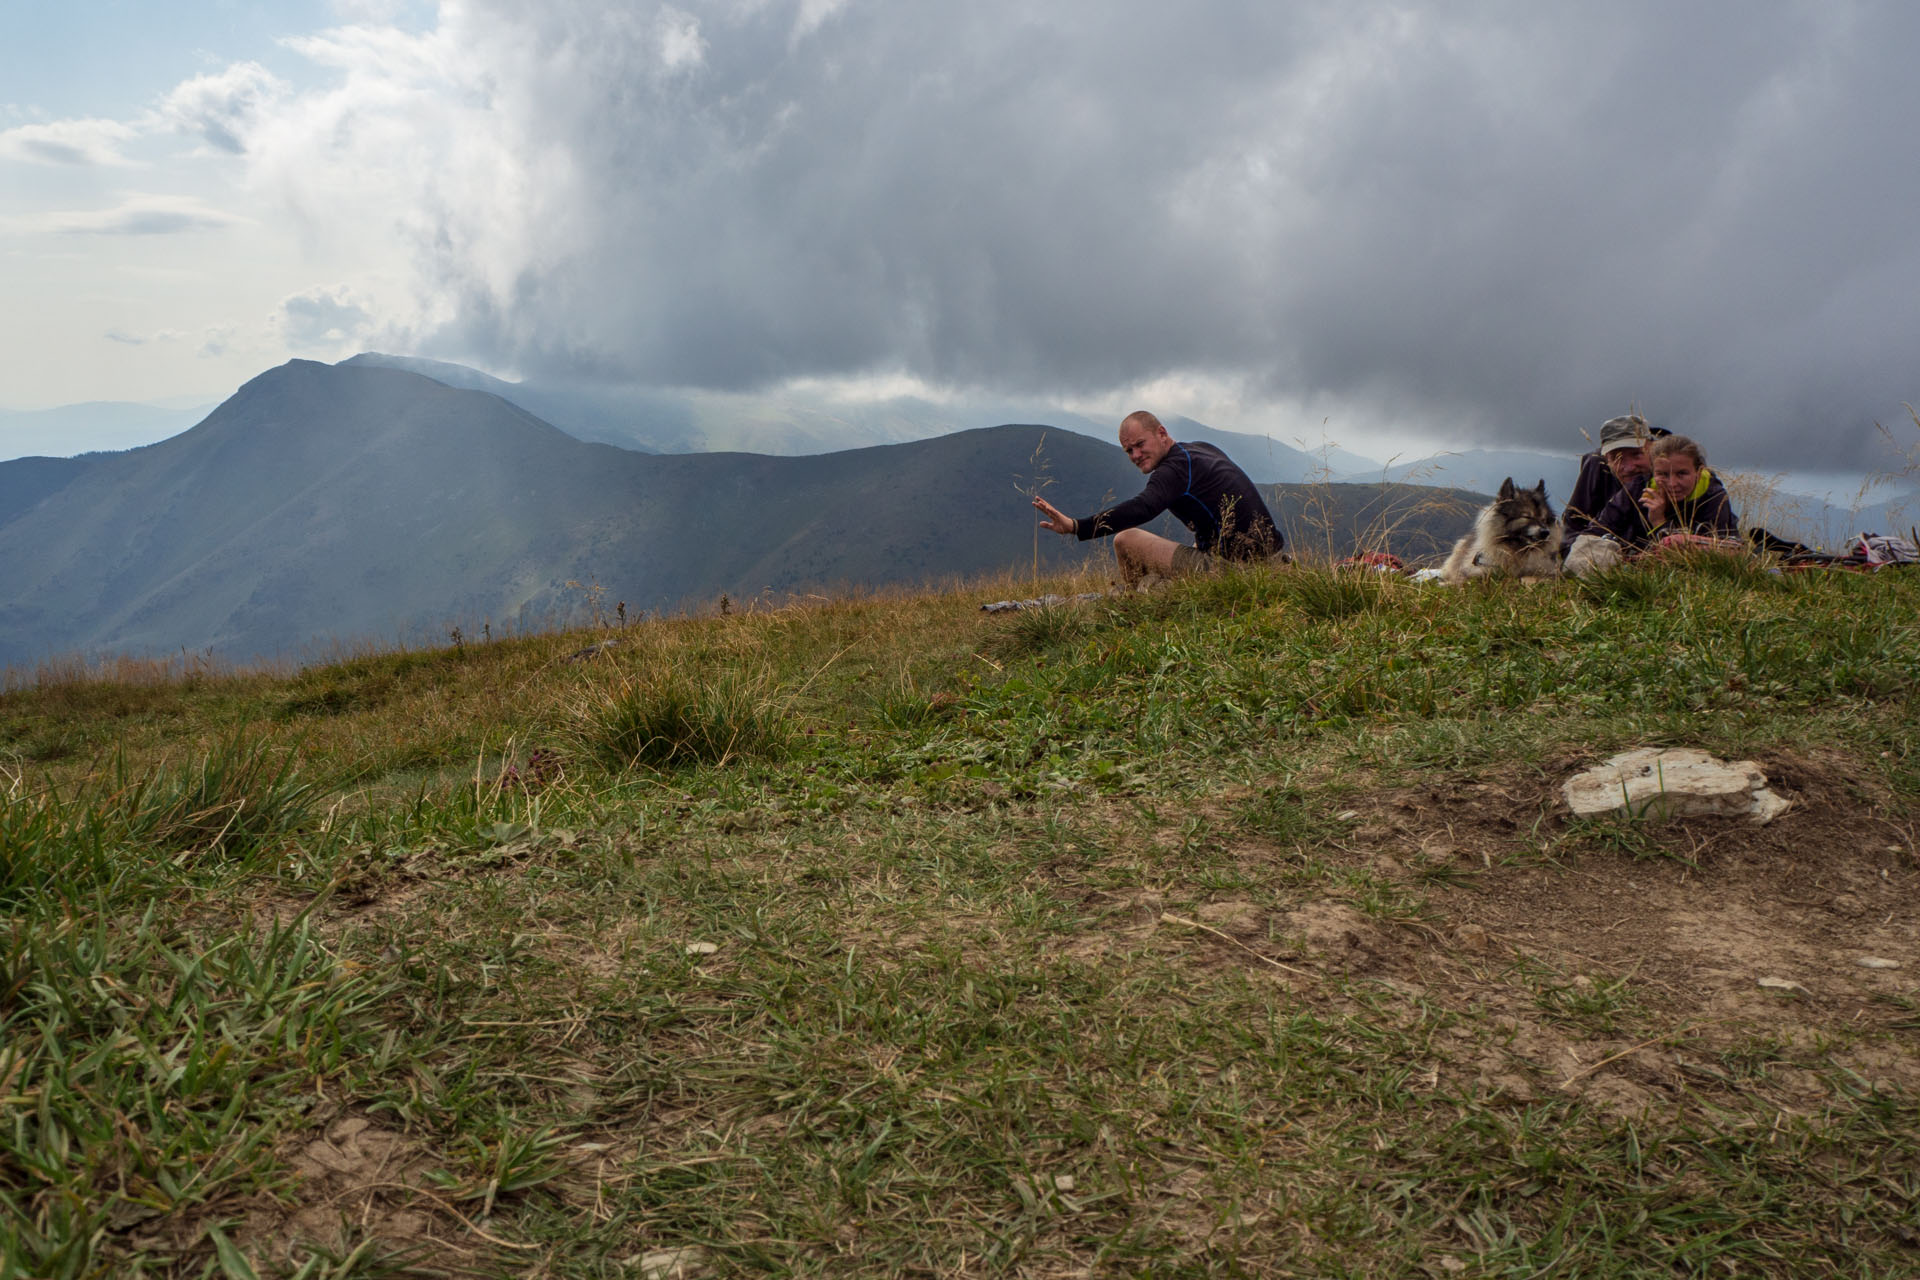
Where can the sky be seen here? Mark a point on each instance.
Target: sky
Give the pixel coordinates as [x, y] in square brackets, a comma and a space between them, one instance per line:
[1383, 224]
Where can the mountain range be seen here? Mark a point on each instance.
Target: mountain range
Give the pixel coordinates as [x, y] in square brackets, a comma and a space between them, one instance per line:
[363, 501]
[797, 421]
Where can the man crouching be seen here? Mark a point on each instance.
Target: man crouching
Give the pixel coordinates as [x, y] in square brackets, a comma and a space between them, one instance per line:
[1196, 482]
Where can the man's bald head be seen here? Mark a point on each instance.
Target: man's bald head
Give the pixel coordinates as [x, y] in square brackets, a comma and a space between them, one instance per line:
[1145, 439]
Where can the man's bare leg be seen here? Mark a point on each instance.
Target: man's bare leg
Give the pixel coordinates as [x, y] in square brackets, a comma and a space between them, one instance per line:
[1140, 553]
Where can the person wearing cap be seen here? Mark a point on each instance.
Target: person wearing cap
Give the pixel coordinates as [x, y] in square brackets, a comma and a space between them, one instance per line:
[1620, 460]
[1203, 489]
[1619, 464]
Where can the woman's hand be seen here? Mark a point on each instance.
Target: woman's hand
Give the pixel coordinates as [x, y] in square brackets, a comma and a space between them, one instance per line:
[1682, 540]
[1655, 504]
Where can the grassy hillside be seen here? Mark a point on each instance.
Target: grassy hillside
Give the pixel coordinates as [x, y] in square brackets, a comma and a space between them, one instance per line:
[1233, 929]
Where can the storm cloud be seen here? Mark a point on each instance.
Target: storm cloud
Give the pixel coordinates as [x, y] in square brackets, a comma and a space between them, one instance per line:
[1508, 221]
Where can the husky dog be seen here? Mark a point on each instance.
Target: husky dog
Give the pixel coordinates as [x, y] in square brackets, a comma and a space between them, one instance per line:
[1515, 536]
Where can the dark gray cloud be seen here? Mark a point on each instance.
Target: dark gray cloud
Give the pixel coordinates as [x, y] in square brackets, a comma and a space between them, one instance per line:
[1505, 220]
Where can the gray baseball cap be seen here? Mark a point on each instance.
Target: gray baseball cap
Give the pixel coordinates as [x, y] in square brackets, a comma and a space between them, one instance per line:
[1629, 432]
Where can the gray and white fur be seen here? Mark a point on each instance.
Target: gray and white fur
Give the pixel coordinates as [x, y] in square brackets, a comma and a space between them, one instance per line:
[1515, 536]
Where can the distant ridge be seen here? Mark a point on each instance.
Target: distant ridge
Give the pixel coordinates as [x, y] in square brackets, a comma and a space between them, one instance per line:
[661, 421]
[93, 427]
[359, 501]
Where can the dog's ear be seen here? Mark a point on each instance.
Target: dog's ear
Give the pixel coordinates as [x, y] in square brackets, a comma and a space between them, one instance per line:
[1541, 489]
[1506, 489]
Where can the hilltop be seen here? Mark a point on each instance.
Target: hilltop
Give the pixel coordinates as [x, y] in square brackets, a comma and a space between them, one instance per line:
[1231, 929]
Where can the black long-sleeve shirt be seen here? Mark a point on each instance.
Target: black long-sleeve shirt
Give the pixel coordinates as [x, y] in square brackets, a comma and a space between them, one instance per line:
[1591, 493]
[1207, 493]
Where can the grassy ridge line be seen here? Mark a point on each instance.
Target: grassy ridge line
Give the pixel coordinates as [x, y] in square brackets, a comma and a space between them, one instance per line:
[931, 1018]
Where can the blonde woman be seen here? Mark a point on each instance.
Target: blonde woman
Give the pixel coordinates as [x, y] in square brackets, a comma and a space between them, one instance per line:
[1682, 502]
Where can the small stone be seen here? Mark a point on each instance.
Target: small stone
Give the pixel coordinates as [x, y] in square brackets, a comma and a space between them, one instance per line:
[1063, 1182]
[671, 1264]
[1783, 984]
[702, 948]
[1877, 962]
[1347, 815]
[1673, 782]
[1472, 937]
[1451, 1265]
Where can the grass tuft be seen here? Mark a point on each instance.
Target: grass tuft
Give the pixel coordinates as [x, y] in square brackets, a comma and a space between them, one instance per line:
[1328, 592]
[1628, 585]
[675, 719]
[238, 798]
[1035, 631]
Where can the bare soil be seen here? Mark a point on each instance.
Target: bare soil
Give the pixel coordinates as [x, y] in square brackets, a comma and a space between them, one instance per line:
[1734, 952]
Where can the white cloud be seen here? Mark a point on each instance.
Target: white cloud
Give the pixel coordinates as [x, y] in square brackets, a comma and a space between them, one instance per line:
[224, 107]
[681, 46]
[140, 340]
[378, 11]
[323, 319]
[216, 341]
[74, 142]
[814, 14]
[135, 215]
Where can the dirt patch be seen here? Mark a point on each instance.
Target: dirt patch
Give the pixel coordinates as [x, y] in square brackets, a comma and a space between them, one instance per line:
[1634, 967]
[357, 1180]
[1715, 932]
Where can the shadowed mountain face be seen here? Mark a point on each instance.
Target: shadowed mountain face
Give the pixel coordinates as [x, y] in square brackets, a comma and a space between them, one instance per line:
[349, 502]
[26, 482]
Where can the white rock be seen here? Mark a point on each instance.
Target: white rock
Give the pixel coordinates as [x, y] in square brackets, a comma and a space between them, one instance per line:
[702, 948]
[1063, 1182]
[671, 1264]
[1876, 962]
[1673, 782]
[1783, 984]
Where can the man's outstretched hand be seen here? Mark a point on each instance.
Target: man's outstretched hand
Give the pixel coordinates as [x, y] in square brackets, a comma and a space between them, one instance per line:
[1055, 520]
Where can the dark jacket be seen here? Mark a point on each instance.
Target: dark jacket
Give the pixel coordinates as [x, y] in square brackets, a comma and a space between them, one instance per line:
[1709, 512]
[1207, 493]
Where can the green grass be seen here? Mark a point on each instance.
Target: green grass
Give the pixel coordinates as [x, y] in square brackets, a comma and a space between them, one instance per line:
[842, 941]
[674, 719]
